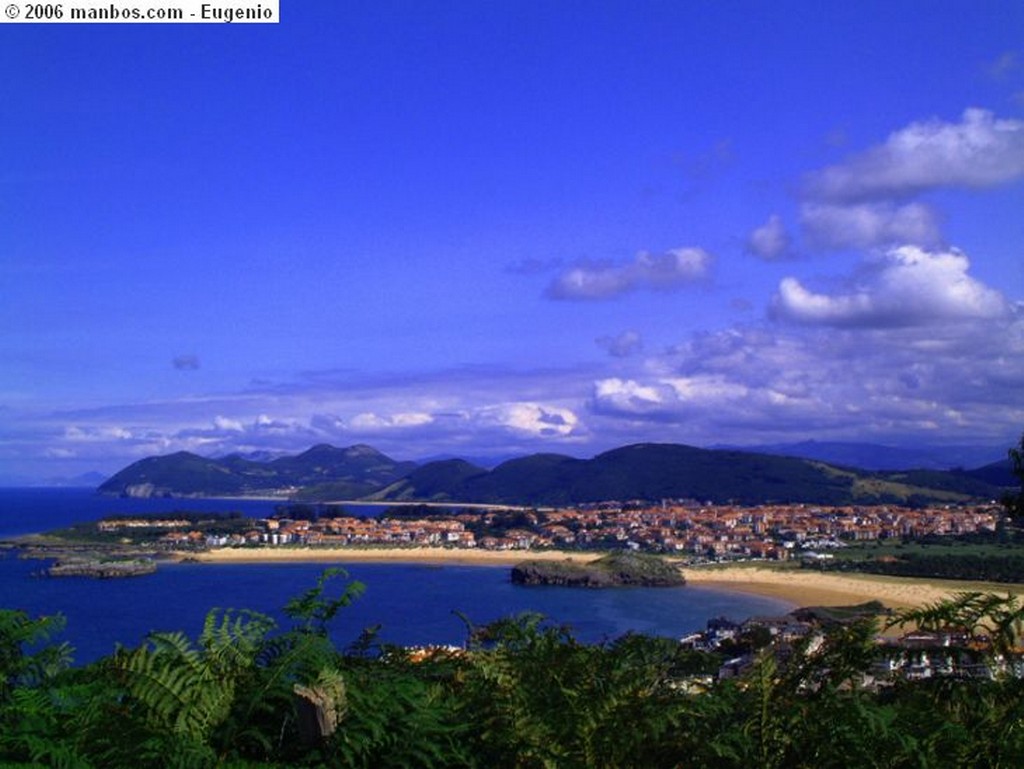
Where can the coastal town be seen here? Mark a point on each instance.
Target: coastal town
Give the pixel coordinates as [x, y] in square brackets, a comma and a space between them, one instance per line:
[708, 532]
[690, 532]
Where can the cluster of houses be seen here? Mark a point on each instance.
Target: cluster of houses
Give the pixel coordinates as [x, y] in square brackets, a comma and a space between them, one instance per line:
[718, 532]
[765, 531]
[916, 655]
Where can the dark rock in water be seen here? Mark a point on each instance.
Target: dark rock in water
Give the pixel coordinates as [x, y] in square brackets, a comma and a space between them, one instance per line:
[622, 569]
[99, 569]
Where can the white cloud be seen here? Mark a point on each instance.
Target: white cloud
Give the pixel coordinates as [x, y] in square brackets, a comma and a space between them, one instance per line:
[369, 421]
[534, 419]
[229, 425]
[979, 151]
[770, 241]
[627, 396]
[865, 225]
[707, 388]
[658, 272]
[97, 433]
[908, 286]
[749, 385]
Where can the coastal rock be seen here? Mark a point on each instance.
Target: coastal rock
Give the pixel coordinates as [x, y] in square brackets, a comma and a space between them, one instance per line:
[100, 569]
[625, 569]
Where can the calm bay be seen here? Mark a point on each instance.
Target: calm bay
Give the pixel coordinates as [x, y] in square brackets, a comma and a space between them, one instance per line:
[414, 604]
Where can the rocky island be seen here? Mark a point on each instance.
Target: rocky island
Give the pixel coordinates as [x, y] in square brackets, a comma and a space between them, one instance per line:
[619, 569]
[101, 568]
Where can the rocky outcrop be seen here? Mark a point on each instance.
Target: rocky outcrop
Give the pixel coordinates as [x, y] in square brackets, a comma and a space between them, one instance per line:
[102, 569]
[625, 569]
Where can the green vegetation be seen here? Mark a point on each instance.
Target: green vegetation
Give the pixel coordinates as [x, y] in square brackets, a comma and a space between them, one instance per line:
[986, 568]
[997, 557]
[622, 568]
[333, 472]
[1014, 502]
[840, 614]
[643, 471]
[107, 531]
[524, 693]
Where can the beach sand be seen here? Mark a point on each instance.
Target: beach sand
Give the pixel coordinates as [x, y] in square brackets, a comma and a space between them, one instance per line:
[810, 588]
[435, 555]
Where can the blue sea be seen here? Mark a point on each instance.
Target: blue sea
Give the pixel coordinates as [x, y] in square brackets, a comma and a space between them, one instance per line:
[414, 604]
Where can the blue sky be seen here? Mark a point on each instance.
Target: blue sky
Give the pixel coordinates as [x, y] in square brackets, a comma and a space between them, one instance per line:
[493, 228]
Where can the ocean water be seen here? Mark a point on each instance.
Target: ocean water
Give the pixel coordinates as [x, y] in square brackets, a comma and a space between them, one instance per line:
[413, 603]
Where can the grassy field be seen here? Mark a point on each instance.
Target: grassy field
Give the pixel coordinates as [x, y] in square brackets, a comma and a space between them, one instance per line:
[936, 547]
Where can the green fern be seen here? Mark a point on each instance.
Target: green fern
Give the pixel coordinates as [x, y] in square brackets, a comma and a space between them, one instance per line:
[188, 690]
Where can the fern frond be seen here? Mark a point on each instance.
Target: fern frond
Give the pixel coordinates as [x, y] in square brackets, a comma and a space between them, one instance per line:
[178, 692]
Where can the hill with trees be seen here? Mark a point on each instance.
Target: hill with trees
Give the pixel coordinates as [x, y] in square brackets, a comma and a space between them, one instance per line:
[670, 471]
[323, 470]
[639, 472]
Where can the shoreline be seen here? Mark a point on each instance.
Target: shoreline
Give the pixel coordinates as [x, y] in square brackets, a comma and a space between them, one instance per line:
[431, 555]
[809, 588]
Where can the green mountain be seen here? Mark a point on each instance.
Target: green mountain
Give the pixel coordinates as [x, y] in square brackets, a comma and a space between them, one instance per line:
[997, 473]
[431, 482]
[660, 471]
[351, 472]
[639, 472]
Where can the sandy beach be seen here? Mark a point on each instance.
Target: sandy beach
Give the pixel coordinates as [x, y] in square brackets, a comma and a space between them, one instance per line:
[438, 555]
[801, 588]
[810, 588]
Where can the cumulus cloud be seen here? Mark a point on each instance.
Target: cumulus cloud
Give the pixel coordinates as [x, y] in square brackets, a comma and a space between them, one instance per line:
[627, 396]
[228, 425]
[908, 286]
[658, 272]
[979, 151]
[97, 433]
[792, 382]
[621, 345]
[266, 424]
[534, 419]
[680, 398]
[770, 241]
[369, 421]
[865, 225]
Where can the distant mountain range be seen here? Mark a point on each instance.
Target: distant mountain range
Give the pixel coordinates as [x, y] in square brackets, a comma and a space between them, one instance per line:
[341, 473]
[873, 456]
[643, 471]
